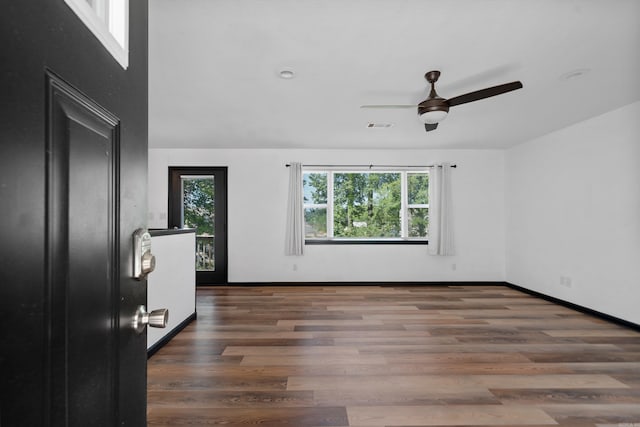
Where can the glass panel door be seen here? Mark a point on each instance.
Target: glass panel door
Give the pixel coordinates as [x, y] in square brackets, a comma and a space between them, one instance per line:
[197, 199]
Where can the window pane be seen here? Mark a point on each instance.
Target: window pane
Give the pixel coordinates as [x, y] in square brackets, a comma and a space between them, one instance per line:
[198, 201]
[418, 186]
[100, 8]
[418, 222]
[118, 20]
[366, 205]
[108, 20]
[315, 223]
[198, 211]
[315, 187]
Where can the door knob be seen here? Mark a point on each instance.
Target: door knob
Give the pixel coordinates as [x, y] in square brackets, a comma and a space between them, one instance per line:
[156, 318]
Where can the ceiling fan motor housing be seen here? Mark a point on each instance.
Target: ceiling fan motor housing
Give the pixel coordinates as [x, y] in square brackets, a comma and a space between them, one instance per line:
[433, 101]
[433, 104]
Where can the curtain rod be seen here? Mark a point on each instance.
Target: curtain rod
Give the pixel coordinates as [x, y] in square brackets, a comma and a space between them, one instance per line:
[371, 166]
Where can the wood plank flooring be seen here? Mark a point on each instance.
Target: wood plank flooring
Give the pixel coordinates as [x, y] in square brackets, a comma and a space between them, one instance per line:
[378, 356]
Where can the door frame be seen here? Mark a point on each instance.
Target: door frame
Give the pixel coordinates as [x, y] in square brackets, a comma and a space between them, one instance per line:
[174, 217]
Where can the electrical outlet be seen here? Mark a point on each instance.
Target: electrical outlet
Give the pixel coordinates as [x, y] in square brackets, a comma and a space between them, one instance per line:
[295, 267]
[454, 267]
[565, 281]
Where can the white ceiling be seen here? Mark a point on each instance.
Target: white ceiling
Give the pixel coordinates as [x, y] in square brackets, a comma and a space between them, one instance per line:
[214, 64]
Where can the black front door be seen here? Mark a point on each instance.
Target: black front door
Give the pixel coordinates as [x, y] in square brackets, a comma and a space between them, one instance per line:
[73, 165]
[198, 199]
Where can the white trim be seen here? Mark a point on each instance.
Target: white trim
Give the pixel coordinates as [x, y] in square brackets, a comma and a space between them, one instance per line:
[100, 29]
[315, 206]
[404, 203]
[194, 177]
[330, 205]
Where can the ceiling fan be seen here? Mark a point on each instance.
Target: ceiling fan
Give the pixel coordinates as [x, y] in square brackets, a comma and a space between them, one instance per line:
[434, 109]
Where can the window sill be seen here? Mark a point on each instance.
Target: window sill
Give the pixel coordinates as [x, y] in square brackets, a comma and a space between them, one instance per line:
[365, 242]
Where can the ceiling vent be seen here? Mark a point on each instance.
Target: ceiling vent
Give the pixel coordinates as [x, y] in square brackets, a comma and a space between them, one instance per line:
[379, 125]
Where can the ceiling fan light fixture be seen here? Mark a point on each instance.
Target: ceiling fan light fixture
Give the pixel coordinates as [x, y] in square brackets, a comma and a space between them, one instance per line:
[433, 109]
[433, 117]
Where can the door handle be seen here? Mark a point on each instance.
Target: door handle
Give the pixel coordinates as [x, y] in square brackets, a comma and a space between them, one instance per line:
[156, 318]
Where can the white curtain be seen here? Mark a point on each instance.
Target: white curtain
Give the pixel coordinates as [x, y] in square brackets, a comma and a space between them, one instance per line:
[294, 244]
[440, 215]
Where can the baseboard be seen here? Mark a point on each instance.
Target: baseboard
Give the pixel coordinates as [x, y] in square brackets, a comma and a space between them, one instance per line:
[576, 307]
[157, 346]
[365, 283]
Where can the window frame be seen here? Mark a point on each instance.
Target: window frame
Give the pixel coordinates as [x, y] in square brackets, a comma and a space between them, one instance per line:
[101, 24]
[404, 239]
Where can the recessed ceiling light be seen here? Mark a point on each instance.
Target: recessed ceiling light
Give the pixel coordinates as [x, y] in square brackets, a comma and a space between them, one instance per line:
[575, 74]
[286, 74]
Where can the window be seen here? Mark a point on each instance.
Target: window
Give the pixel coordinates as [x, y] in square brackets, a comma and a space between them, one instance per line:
[315, 204]
[417, 204]
[366, 206]
[108, 20]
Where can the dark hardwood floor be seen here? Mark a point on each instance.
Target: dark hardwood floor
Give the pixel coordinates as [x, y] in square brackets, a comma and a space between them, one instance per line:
[393, 356]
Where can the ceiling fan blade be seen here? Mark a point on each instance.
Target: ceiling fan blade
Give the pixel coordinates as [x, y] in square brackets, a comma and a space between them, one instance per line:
[484, 93]
[429, 127]
[388, 106]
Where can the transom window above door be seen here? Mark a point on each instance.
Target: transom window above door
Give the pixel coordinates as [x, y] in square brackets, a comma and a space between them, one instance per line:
[108, 20]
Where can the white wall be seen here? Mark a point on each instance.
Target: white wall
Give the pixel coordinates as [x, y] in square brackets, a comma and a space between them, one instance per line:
[257, 196]
[173, 283]
[573, 210]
